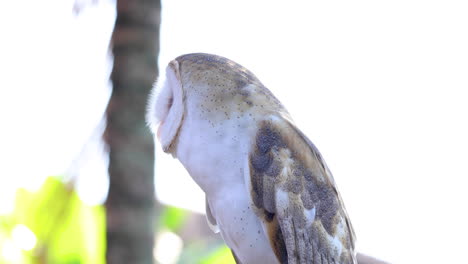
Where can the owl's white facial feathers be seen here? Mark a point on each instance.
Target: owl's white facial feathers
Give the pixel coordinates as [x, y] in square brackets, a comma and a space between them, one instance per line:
[166, 106]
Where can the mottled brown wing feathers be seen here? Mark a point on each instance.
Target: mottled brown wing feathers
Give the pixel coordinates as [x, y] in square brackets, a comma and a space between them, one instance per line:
[295, 195]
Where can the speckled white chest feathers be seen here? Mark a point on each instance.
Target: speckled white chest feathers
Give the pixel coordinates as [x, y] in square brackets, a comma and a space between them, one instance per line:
[214, 149]
[219, 170]
[268, 188]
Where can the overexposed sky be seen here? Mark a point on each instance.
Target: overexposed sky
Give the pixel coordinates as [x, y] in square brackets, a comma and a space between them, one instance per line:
[379, 87]
[54, 87]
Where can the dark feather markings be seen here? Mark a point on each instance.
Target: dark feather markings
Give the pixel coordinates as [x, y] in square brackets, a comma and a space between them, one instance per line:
[310, 182]
[279, 248]
[350, 240]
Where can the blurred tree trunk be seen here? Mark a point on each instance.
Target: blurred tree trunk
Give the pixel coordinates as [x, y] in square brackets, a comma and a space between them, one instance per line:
[131, 213]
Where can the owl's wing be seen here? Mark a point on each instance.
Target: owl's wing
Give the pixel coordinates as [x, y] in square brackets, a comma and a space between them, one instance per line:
[294, 193]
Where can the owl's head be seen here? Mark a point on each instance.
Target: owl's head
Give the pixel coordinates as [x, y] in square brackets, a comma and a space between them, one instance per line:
[165, 109]
[205, 89]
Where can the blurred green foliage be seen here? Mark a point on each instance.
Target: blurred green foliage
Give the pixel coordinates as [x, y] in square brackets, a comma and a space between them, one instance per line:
[66, 230]
[52, 225]
[172, 218]
[221, 255]
[206, 254]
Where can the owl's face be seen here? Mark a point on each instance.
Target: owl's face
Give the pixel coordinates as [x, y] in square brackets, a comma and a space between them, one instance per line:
[166, 106]
[195, 87]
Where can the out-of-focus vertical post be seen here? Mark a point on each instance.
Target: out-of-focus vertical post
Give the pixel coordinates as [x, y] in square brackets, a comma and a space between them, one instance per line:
[131, 215]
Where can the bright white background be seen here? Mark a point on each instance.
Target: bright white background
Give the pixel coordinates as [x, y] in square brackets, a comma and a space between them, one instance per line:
[379, 87]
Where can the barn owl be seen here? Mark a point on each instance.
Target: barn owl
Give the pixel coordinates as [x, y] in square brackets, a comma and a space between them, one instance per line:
[268, 190]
